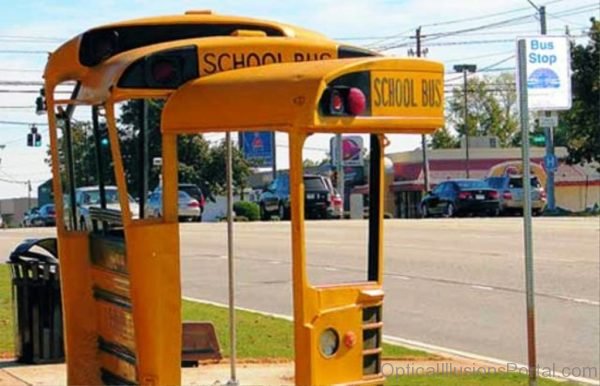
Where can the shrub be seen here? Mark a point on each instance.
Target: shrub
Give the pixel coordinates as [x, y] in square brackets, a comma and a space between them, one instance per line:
[247, 209]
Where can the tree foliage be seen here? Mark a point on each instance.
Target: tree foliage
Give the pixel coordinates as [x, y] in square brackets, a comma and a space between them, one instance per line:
[444, 139]
[491, 110]
[580, 126]
[199, 162]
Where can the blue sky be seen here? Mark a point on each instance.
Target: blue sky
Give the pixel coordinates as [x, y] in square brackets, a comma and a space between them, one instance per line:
[40, 26]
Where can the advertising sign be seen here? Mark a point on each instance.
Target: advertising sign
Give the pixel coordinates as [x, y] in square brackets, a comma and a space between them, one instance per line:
[352, 148]
[548, 73]
[257, 147]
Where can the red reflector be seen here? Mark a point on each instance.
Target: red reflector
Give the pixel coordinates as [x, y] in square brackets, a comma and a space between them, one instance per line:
[163, 71]
[194, 204]
[337, 103]
[357, 101]
[507, 195]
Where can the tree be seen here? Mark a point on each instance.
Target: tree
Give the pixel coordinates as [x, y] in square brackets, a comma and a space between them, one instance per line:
[580, 127]
[444, 139]
[84, 157]
[491, 110]
[214, 171]
[199, 163]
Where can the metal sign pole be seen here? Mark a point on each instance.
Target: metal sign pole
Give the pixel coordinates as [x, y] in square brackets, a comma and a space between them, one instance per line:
[529, 284]
[232, 327]
[340, 167]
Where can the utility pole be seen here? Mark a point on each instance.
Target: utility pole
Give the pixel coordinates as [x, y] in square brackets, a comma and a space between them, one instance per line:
[466, 68]
[28, 194]
[423, 138]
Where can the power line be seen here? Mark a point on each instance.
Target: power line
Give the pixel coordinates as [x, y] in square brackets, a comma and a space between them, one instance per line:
[23, 123]
[8, 91]
[19, 70]
[24, 52]
[46, 38]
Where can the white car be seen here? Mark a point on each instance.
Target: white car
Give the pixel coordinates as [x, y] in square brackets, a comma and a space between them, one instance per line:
[89, 196]
[189, 208]
[1, 221]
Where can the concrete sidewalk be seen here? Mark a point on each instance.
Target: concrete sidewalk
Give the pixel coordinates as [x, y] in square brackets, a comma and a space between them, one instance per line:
[249, 374]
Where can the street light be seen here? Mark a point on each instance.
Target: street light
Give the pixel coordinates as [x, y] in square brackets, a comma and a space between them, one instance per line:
[465, 68]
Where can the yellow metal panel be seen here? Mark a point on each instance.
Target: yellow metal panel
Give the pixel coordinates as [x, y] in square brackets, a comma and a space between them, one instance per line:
[346, 365]
[115, 325]
[115, 283]
[285, 97]
[404, 93]
[118, 366]
[79, 313]
[153, 259]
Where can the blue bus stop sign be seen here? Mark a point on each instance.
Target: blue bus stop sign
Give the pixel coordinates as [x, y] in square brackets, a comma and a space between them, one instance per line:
[550, 162]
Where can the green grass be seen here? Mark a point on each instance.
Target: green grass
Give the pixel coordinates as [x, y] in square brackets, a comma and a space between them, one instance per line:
[262, 336]
[468, 380]
[6, 315]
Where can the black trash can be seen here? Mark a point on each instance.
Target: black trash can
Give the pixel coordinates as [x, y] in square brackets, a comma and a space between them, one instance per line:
[36, 302]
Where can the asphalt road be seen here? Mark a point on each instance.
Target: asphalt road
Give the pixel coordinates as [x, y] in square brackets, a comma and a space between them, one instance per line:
[452, 283]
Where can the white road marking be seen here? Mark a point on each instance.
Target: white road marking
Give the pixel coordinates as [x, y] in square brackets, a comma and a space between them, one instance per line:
[482, 287]
[432, 349]
[331, 269]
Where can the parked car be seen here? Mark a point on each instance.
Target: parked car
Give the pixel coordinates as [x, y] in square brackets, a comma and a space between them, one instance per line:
[89, 196]
[196, 193]
[336, 210]
[45, 216]
[318, 200]
[188, 207]
[1, 221]
[510, 189]
[461, 197]
[28, 216]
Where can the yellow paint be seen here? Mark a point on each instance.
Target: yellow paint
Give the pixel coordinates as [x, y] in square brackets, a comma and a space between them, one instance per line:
[232, 93]
[406, 93]
[285, 97]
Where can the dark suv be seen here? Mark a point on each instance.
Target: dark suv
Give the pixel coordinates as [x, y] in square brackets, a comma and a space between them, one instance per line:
[318, 200]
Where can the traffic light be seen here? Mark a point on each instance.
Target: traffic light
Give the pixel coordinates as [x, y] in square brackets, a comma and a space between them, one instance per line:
[34, 139]
[40, 103]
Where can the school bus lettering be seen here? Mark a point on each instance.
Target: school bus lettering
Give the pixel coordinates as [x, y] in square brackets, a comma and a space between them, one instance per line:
[431, 95]
[308, 56]
[405, 91]
[395, 92]
[212, 63]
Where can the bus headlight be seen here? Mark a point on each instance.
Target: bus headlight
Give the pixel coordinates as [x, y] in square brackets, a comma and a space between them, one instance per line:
[329, 342]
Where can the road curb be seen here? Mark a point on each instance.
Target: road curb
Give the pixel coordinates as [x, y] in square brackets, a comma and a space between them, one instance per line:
[408, 343]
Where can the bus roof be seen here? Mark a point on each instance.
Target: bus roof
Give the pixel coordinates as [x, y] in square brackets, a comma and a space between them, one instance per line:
[403, 96]
[72, 60]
